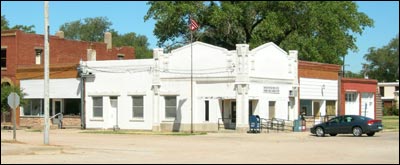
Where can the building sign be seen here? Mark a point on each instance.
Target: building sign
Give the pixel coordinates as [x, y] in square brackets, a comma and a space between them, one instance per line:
[271, 90]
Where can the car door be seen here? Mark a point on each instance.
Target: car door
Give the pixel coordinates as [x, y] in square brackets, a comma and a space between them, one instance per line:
[332, 125]
[346, 124]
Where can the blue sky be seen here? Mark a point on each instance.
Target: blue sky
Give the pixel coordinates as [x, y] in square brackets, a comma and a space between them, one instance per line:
[128, 17]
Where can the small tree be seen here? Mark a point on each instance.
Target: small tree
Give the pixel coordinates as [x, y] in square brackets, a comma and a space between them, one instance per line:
[5, 91]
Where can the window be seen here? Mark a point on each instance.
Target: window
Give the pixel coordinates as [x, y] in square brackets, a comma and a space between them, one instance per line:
[382, 91]
[3, 58]
[97, 106]
[72, 106]
[120, 56]
[207, 104]
[306, 107]
[330, 108]
[170, 106]
[34, 107]
[351, 96]
[38, 56]
[137, 106]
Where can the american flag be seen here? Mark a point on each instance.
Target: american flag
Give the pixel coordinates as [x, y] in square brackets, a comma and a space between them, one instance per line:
[193, 24]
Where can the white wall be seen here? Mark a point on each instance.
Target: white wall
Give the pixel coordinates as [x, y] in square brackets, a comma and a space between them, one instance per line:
[123, 79]
[59, 88]
[214, 76]
[367, 105]
[313, 89]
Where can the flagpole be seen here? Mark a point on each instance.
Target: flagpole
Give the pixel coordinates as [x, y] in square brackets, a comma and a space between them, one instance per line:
[191, 80]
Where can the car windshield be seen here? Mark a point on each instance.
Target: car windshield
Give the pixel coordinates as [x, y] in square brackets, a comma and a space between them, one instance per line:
[334, 120]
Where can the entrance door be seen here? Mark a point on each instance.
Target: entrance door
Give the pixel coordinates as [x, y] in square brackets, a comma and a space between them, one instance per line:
[271, 109]
[316, 109]
[367, 105]
[113, 112]
[56, 107]
[233, 112]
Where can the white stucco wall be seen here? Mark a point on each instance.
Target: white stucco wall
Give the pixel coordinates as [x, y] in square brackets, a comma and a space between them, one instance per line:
[214, 79]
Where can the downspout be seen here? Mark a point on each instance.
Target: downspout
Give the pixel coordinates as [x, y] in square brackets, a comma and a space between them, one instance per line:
[339, 94]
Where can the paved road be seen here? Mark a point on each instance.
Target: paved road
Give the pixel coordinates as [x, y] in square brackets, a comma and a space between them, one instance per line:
[70, 146]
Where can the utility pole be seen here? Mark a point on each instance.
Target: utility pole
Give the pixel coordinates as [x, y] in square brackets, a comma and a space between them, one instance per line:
[191, 81]
[46, 72]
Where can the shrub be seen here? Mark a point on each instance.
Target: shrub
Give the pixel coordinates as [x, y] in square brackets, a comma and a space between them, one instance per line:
[391, 111]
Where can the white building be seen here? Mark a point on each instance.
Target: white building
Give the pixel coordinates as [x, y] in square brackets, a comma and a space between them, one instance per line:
[228, 86]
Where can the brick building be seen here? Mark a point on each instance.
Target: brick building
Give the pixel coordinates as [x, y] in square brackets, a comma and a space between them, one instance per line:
[22, 60]
[20, 49]
[359, 97]
[318, 91]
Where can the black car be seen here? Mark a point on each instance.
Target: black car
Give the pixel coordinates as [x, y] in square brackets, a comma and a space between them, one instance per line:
[347, 124]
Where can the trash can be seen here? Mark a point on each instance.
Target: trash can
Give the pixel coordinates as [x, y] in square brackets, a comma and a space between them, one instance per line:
[254, 124]
[297, 125]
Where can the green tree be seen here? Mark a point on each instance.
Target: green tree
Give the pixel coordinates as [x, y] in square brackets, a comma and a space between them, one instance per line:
[321, 31]
[350, 74]
[383, 63]
[139, 42]
[5, 26]
[5, 91]
[93, 29]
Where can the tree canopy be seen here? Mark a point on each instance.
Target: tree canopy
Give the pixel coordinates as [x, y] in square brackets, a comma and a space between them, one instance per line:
[322, 31]
[383, 63]
[5, 26]
[93, 29]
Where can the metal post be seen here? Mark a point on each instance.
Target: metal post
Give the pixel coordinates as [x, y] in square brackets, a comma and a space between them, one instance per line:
[46, 72]
[14, 118]
[191, 81]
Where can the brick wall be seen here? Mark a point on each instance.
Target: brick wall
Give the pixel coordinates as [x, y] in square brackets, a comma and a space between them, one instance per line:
[74, 121]
[21, 47]
[318, 70]
[359, 85]
[38, 122]
[32, 122]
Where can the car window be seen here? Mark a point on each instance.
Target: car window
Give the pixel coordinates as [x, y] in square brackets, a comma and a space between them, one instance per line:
[348, 119]
[334, 120]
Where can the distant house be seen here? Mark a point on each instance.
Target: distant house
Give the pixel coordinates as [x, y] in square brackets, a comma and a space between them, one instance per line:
[390, 94]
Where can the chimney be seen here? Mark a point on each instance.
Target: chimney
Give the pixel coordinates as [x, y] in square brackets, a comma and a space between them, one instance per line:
[60, 34]
[108, 40]
[91, 55]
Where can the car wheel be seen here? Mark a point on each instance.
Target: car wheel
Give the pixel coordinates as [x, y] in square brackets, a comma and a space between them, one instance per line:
[333, 134]
[371, 134]
[320, 132]
[357, 131]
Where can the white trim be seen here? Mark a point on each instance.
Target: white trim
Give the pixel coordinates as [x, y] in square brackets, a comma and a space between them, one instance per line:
[96, 119]
[91, 94]
[169, 93]
[137, 93]
[136, 120]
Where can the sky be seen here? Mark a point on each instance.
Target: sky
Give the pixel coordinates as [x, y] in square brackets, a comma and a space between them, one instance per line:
[129, 17]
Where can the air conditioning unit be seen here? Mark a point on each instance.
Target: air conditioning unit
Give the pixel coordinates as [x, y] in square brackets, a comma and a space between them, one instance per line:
[292, 93]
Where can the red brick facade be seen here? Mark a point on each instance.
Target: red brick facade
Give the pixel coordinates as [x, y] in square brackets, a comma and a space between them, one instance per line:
[360, 86]
[21, 51]
[318, 70]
